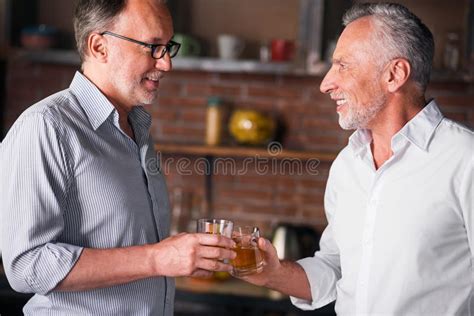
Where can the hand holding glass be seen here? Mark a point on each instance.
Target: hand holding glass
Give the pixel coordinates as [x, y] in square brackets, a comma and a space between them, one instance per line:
[216, 227]
[249, 259]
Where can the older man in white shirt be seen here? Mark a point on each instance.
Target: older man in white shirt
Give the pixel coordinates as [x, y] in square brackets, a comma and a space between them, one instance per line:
[399, 197]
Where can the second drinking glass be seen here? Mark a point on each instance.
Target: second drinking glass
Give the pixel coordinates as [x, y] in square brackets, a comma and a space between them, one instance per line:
[249, 259]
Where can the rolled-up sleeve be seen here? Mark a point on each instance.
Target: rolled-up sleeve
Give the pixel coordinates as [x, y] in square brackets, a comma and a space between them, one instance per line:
[323, 270]
[34, 184]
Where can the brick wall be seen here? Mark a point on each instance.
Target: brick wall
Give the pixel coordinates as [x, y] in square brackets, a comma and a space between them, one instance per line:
[281, 193]
[308, 117]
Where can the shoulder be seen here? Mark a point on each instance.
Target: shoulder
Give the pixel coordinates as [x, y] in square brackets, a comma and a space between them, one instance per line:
[43, 119]
[455, 136]
[452, 146]
[52, 110]
[456, 128]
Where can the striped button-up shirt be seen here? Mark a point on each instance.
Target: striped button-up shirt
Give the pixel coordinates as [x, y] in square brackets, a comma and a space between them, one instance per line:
[72, 179]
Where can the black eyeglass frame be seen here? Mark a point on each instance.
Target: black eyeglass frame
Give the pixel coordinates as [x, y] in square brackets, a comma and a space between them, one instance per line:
[168, 46]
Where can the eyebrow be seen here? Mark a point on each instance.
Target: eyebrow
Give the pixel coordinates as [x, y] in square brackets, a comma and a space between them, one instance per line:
[158, 39]
[342, 60]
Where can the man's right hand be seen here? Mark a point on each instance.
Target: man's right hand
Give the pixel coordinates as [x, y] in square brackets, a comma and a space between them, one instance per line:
[192, 255]
[272, 265]
[284, 276]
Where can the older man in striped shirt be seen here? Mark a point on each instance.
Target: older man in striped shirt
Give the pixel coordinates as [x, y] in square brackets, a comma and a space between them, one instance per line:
[84, 210]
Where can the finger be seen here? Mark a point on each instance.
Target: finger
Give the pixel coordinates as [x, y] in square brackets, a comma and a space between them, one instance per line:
[200, 273]
[267, 247]
[216, 253]
[264, 244]
[213, 265]
[215, 240]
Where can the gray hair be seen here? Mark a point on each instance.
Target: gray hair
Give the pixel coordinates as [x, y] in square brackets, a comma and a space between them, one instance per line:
[400, 34]
[94, 16]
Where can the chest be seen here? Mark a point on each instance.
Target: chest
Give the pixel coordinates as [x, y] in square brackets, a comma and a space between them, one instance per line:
[116, 187]
[407, 205]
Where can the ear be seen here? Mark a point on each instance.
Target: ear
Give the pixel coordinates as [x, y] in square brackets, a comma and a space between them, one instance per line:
[398, 73]
[97, 47]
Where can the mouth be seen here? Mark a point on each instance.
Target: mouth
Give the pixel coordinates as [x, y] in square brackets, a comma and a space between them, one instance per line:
[340, 102]
[152, 82]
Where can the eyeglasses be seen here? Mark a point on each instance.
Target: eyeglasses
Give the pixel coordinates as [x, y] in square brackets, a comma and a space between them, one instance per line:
[157, 50]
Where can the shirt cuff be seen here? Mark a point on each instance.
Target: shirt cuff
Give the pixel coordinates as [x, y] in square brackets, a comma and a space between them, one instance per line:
[319, 280]
[54, 263]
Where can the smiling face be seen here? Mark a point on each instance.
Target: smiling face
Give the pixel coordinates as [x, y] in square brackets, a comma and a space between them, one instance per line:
[133, 75]
[355, 78]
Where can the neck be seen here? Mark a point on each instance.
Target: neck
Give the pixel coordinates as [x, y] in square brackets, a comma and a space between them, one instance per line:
[93, 73]
[397, 113]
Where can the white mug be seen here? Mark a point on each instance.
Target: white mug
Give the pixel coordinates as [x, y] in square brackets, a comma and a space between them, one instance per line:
[230, 47]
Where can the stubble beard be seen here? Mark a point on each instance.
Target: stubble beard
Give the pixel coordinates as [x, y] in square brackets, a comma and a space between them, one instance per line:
[147, 97]
[136, 91]
[360, 116]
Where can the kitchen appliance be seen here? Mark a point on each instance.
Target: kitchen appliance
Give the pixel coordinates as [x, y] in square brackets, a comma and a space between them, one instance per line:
[293, 242]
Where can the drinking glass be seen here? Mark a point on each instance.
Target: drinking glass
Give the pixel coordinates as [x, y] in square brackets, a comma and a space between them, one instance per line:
[249, 259]
[215, 226]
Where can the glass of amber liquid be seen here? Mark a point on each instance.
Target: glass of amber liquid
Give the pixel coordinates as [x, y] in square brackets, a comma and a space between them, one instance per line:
[249, 259]
[215, 226]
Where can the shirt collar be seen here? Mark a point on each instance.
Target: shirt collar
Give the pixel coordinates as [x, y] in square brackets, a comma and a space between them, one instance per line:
[96, 106]
[359, 140]
[140, 119]
[419, 130]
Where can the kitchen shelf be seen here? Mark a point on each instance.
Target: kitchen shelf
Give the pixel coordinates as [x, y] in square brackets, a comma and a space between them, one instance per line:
[206, 64]
[220, 151]
[246, 66]
[213, 153]
[71, 57]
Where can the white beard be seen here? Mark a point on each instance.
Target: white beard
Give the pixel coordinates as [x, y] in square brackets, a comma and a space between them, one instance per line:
[360, 116]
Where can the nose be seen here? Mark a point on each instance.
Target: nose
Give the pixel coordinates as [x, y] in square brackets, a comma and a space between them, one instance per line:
[329, 83]
[164, 63]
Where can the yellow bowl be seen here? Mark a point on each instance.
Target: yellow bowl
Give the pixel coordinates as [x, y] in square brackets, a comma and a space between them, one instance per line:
[250, 127]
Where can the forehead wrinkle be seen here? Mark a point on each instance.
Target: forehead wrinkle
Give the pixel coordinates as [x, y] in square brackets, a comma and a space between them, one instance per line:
[141, 19]
[357, 43]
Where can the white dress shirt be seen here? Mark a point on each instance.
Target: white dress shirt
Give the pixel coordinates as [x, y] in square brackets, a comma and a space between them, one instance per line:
[399, 239]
